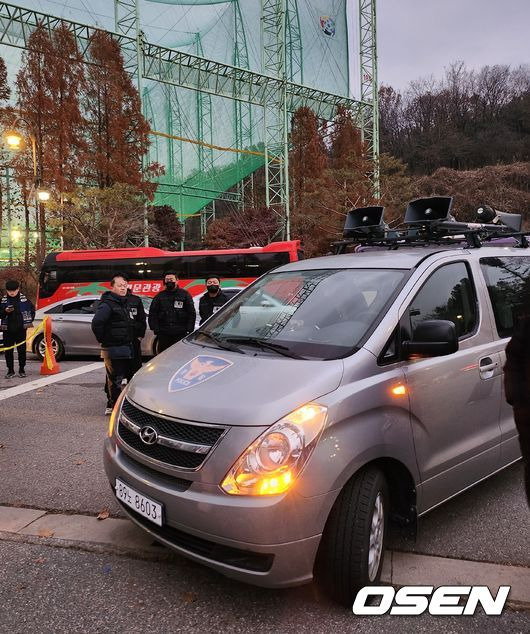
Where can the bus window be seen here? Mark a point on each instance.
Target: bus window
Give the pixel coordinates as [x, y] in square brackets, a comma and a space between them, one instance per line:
[48, 282]
[257, 264]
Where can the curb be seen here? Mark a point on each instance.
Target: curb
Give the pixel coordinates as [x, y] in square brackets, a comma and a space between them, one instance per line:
[121, 536]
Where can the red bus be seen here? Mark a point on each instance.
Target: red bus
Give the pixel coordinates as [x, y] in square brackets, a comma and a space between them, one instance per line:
[68, 274]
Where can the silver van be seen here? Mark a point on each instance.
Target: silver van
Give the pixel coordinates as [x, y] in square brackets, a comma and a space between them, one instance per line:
[276, 444]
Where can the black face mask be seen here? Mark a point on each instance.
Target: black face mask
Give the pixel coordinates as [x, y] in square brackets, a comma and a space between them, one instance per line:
[170, 286]
[213, 288]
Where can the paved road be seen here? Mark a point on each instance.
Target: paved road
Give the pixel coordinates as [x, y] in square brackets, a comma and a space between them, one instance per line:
[57, 590]
[51, 459]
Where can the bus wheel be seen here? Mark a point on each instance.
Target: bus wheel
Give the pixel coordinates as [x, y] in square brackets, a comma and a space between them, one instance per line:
[353, 544]
[57, 347]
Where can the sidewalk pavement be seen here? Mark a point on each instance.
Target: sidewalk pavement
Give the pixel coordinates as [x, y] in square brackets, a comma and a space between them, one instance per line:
[122, 536]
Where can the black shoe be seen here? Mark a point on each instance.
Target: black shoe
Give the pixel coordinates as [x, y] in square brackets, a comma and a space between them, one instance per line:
[22, 374]
[10, 374]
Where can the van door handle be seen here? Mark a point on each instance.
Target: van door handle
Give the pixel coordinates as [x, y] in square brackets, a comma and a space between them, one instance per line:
[487, 365]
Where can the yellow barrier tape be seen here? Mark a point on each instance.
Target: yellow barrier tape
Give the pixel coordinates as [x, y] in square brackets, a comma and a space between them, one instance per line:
[35, 332]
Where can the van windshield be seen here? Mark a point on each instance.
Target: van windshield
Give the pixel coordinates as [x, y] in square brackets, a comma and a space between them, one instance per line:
[318, 314]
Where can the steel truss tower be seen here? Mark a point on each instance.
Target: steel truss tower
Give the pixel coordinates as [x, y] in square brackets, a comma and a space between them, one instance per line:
[369, 87]
[278, 89]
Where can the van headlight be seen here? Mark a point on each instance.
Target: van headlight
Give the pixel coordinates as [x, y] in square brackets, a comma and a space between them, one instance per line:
[271, 464]
[115, 414]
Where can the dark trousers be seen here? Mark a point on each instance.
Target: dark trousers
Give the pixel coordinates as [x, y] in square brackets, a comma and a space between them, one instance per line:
[119, 369]
[166, 341]
[10, 339]
[522, 422]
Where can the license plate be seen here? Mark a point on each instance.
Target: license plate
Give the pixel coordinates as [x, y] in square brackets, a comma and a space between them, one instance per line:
[143, 505]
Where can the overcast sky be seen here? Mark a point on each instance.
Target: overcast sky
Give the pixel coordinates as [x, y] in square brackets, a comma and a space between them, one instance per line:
[418, 38]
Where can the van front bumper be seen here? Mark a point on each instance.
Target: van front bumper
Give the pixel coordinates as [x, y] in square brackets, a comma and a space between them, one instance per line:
[270, 542]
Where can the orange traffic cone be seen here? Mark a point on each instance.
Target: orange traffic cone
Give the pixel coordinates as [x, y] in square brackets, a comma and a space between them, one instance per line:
[49, 364]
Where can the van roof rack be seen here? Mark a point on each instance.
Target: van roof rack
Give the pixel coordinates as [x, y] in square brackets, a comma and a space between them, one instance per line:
[428, 221]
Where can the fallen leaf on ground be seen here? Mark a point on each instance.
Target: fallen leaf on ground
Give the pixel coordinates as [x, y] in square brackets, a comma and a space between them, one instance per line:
[189, 597]
[40, 560]
[81, 461]
[45, 532]
[103, 515]
[39, 391]
[1, 446]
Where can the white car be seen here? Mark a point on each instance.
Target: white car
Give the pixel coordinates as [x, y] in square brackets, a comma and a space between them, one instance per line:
[71, 328]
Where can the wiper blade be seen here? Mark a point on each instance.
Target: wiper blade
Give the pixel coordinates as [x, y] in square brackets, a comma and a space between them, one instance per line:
[221, 343]
[267, 345]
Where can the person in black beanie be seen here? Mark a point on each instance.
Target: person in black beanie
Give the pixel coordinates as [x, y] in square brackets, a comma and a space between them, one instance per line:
[16, 316]
[172, 313]
[213, 299]
[517, 388]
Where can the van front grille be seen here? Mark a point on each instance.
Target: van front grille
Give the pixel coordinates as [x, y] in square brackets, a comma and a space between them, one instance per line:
[194, 441]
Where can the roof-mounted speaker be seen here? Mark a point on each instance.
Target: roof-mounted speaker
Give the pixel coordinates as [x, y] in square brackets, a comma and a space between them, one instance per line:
[427, 210]
[364, 220]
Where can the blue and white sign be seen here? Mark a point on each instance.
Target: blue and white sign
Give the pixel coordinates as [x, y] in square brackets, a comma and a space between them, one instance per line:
[196, 371]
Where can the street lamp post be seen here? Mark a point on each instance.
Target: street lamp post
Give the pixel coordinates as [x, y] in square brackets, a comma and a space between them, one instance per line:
[15, 141]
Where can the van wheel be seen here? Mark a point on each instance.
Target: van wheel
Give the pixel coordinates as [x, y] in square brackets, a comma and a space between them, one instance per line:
[352, 549]
[57, 347]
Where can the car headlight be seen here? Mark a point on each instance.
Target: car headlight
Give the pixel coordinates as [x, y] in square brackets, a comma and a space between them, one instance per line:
[271, 464]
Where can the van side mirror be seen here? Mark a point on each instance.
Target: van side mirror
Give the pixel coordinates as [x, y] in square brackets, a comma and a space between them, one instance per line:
[432, 338]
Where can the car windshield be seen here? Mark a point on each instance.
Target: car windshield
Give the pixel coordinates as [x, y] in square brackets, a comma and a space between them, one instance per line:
[317, 314]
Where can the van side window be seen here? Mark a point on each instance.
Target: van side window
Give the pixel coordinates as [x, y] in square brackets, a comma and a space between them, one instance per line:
[448, 294]
[508, 282]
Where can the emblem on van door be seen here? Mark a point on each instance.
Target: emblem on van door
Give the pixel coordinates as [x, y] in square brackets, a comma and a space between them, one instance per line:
[197, 371]
[148, 435]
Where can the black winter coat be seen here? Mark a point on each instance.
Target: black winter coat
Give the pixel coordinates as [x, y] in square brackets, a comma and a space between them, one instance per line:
[118, 320]
[135, 307]
[517, 368]
[208, 304]
[172, 313]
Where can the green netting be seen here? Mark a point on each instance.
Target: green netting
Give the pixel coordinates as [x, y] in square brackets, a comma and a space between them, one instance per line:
[317, 55]
[228, 32]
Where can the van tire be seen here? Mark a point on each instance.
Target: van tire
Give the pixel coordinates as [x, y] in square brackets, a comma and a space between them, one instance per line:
[359, 513]
[57, 344]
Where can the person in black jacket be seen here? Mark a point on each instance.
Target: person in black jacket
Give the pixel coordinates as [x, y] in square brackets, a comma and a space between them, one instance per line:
[16, 316]
[135, 306]
[172, 313]
[118, 324]
[517, 389]
[213, 299]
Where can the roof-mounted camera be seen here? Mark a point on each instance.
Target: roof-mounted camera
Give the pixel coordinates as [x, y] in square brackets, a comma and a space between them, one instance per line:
[487, 214]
